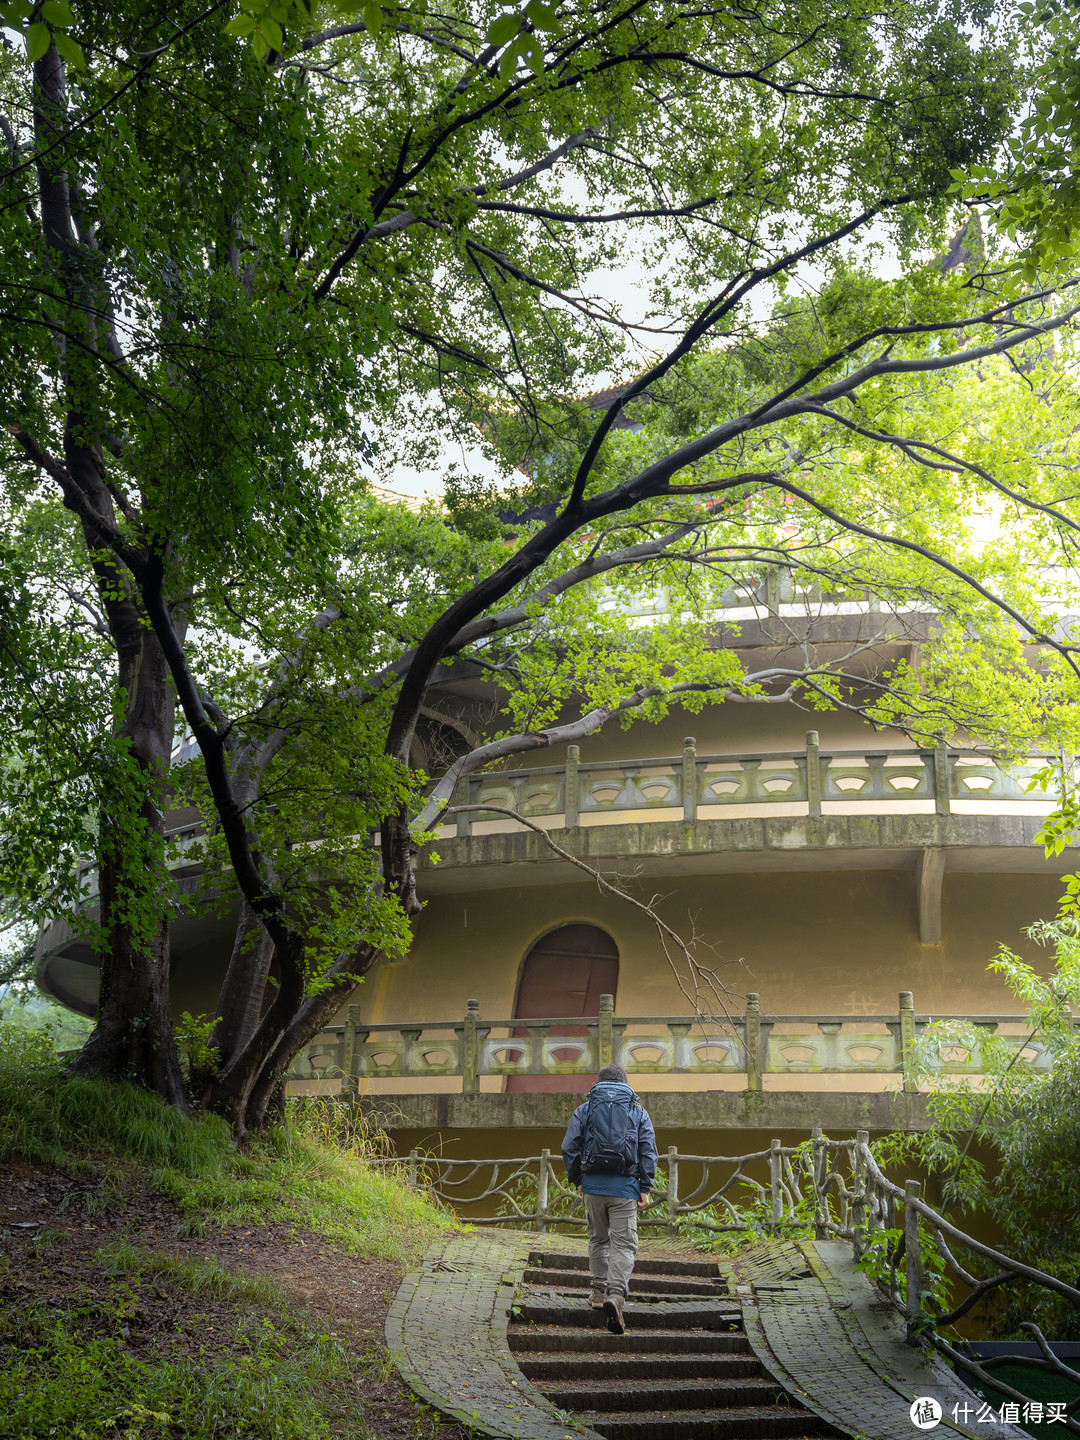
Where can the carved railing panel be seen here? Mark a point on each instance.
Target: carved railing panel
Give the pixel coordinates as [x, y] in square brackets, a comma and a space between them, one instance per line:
[691, 784]
[751, 1044]
[708, 783]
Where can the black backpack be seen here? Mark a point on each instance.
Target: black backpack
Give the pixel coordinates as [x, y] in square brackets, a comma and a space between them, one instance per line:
[611, 1133]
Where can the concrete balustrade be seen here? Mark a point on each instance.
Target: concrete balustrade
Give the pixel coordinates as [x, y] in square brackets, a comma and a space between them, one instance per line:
[690, 786]
[751, 1044]
[811, 782]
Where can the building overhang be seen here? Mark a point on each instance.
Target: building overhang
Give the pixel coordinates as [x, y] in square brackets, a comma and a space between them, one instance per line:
[992, 844]
[774, 1111]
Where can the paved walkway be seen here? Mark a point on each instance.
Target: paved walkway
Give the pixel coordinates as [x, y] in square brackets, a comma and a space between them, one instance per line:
[818, 1325]
[446, 1331]
[811, 1318]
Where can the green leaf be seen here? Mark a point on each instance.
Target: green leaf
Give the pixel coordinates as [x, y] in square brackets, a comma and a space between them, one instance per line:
[57, 12]
[503, 29]
[373, 18]
[541, 15]
[70, 49]
[508, 63]
[271, 32]
[242, 25]
[38, 40]
[533, 56]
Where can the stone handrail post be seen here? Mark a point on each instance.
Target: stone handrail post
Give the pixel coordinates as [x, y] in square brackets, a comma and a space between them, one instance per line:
[672, 1184]
[912, 1260]
[414, 1168]
[813, 774]
[859, 1181]
[752, 1041]
[410, 1034]
[571, 798]
[470, 1050]
[542, 1190]
[348, 1052]
[776, 1191]
[942, 796]
[772, 589]
[818, 1163]
[464, 821]
[689, 780]
[907, 1039]
[605, 1033]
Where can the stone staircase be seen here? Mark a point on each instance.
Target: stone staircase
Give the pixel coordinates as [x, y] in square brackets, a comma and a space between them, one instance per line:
[684, 1369]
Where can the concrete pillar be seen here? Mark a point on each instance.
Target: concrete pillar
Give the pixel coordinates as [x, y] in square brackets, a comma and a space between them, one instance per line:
[570, 799]
[907, 1037]
[470, 1050]
[813, 774]
[752, 1042]
[929, 876]
[605, 1038]
[689, 780]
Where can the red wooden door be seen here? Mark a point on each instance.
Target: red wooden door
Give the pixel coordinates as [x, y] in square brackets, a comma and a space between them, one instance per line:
[564, 974]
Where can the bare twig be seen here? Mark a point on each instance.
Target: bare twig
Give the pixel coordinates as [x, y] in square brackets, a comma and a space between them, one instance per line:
[701, 977]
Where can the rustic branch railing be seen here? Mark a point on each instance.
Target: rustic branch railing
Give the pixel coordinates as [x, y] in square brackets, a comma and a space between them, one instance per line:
[752, 1044]
[867, 1203]
[835, 1186]
[533, 1190]
[811, 782]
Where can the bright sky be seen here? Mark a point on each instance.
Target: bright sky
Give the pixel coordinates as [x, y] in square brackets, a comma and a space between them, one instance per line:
[627, 288]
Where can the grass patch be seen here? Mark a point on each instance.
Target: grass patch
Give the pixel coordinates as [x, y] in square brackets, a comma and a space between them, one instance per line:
[315, 1171]
[72, 1372]
[198, 1277]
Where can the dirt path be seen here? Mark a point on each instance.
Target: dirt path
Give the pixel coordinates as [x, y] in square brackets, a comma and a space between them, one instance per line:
[52, 1225]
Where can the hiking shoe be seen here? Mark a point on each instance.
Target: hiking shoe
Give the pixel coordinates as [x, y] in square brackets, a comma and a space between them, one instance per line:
[613, 1310]
[596, 1300]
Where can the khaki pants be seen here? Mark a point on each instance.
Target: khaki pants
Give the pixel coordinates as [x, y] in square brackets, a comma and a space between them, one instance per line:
[612, 1222]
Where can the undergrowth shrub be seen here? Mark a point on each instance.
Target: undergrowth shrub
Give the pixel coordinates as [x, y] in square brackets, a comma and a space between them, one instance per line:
[315, 1170]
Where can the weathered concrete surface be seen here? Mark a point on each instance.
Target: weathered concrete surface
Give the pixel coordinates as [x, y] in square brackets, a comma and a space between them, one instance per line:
[977, 843]
[701, 1110]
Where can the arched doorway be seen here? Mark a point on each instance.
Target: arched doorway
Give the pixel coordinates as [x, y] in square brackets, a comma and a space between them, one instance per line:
[564, 974]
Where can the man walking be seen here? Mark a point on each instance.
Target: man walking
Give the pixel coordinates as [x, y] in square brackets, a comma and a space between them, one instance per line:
[609, 1151]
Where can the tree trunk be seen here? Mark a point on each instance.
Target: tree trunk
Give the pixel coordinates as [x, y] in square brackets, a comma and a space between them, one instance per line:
[243, 990]
[244, 1093]
[133, 1038]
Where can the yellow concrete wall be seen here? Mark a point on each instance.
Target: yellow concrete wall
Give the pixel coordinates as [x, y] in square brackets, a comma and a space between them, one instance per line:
[730, 728]
[808, 943]
[197, 974]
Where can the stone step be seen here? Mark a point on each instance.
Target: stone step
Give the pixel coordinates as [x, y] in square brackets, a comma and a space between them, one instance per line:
[640, 1315]
[643, 1265]
[639, 1284]
[586, 1396]
[568, 1338]
[766, 1422]
[542, 1366]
